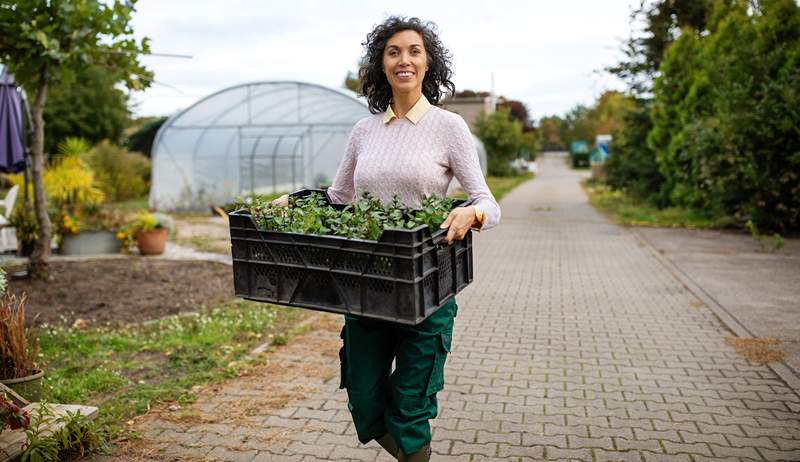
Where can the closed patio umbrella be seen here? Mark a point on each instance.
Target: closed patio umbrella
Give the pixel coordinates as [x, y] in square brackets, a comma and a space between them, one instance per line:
[13, 158]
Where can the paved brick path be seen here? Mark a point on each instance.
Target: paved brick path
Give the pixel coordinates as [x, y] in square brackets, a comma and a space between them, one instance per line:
[574, 342]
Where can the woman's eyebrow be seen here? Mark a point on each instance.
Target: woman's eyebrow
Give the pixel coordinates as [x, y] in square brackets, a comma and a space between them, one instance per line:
[413, 45]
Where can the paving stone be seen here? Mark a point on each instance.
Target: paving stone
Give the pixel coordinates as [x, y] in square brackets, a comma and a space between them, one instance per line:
[688, 448]
[493, 437]
[728, 451]
[642, 445]
[554, 453]
[771, 454]
[650, 457]
[231, 455]
[508, 451]
[616, 456]
[461, 448]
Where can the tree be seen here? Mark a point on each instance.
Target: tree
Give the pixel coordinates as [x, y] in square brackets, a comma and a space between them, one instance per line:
[503, 139]
[663, 21]
[517, 110]
[472, 94]
[91, 108]
[725, 119]
[580, 125]
[551, 131]
[50, 41]
[610, 110]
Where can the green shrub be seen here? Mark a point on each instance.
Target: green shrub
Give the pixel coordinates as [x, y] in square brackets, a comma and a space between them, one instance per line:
[122, 175]
[632, 167]
[504, 140]
[725, 115]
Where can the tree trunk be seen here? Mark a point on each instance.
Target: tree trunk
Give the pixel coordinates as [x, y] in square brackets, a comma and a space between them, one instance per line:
[41, 251]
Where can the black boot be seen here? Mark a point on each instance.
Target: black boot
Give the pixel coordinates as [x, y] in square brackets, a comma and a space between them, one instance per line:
[423, 455]
[389, 444]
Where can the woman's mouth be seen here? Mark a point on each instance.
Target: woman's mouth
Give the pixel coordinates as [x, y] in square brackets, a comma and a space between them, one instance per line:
[404, 75]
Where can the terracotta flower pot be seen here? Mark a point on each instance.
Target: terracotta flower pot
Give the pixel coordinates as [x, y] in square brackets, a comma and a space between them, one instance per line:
[152, 242]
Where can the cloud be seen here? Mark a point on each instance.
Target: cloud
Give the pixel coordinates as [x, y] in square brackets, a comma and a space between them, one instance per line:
[543, 53]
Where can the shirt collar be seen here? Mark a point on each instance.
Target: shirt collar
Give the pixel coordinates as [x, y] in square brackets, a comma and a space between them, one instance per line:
[414, 115]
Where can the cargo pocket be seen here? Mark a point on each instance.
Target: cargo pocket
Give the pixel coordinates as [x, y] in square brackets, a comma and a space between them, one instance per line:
[343, 360]
[436, 380]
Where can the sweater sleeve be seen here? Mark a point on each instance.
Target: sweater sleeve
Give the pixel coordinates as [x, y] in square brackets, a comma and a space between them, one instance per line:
[466, 167]
[342, 191]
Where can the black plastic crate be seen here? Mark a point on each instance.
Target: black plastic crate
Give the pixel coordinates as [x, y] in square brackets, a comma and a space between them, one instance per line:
[404, 276]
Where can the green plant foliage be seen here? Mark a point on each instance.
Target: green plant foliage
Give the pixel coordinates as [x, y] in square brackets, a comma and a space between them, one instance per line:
[657, 24]
[632, 167]
[89, 106]
[77, 436]
[722, 131]
[73, 145]
[725, 118]
[122, 175]
[504, 140]
[365, 218]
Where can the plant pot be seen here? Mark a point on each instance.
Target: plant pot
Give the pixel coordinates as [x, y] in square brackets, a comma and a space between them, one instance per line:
[90, 243]
[29, 387]
[152, 242]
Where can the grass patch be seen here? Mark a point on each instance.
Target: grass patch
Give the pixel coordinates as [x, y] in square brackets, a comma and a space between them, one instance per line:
[124, 370]
[501, 185]
[626, 210]
[131, 205]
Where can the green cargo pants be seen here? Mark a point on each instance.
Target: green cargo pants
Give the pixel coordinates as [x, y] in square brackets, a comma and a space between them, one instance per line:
[402, 401]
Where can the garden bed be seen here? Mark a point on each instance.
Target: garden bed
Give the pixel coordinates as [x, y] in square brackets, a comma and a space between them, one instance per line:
[121, 291]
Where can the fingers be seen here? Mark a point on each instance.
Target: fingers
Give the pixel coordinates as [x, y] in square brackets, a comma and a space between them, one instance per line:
[282, 201]
[458, 223]
[448, 220]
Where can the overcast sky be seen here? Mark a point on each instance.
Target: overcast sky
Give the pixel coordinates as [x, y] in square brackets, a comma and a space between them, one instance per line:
[547, 53]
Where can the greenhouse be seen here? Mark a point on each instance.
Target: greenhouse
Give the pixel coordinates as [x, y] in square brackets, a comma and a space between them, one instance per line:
[255, 138]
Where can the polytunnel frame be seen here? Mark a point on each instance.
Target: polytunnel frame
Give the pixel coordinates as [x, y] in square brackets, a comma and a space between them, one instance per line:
[307, 128]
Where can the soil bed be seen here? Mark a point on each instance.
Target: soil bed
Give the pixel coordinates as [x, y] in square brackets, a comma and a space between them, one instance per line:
[120, 291]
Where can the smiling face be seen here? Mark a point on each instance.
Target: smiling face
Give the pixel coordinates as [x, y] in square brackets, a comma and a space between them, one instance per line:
[405, 62]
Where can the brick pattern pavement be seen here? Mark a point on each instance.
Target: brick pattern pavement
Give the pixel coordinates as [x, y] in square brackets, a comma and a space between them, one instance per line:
[573, 343]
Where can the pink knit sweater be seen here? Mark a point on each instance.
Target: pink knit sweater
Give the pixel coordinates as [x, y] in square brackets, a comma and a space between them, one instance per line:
[413, 161]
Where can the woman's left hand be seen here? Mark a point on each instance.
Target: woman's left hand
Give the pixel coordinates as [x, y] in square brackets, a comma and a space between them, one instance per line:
[460, 220]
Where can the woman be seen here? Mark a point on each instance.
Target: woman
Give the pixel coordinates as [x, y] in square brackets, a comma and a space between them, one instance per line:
[411, 148]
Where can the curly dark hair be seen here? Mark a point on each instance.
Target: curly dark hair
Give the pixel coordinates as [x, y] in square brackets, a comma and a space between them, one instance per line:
[374, 84]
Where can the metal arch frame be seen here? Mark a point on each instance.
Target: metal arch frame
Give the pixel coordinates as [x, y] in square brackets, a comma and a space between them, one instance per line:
[178, 115]
[317, 100]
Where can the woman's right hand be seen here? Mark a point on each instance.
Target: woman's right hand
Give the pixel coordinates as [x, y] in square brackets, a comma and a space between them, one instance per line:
[282, 201]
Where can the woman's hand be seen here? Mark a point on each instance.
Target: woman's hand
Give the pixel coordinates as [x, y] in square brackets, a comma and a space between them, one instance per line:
[459, 221]
[282, 201]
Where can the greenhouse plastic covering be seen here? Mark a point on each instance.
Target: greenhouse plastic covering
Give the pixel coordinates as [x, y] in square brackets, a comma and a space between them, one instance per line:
[256, 138]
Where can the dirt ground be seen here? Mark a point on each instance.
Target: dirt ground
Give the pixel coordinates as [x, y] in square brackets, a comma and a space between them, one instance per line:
[123, 290]
[206, 234]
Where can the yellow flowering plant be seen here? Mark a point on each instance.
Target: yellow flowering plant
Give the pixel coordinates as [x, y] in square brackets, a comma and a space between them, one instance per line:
[72, 220]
